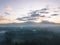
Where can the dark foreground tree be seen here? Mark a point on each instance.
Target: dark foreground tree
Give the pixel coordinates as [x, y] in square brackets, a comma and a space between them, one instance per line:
[9, 38]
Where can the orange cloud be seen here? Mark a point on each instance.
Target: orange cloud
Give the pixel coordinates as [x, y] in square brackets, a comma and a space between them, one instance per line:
[8, 19]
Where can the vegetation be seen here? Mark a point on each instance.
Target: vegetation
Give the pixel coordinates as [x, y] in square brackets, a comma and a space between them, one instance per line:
[30, 36]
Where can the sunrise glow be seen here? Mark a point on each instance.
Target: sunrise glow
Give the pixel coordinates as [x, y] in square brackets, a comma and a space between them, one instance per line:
[18, 11]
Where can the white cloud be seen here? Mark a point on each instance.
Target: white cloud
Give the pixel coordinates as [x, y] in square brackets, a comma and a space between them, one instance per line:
[37, 16]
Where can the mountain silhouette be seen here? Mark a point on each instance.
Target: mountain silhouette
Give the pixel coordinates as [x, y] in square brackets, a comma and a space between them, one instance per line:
[46, 22]
[29, 23]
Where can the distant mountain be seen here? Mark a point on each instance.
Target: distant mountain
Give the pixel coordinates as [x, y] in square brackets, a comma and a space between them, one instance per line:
[46, 22]
[29, 23]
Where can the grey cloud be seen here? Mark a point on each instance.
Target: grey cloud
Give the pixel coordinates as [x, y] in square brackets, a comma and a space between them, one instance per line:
[47, 22]
[42, 16]
[19, 19]
[32, 18]
[56, 11]
[44, 9]
[33, 14]
[49, 17]
[54, 14]
[44, 12]
[6, 13]
[26, 18]
[58, 7]
[22, 19]
[34, 11]
[37, 13]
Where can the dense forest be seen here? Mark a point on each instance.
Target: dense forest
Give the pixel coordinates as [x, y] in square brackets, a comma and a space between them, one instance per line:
[29, 36]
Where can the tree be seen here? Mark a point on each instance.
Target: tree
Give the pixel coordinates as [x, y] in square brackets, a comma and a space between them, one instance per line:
[9, 38]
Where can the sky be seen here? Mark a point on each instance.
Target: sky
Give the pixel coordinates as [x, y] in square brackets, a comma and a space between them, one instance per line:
[19, 11]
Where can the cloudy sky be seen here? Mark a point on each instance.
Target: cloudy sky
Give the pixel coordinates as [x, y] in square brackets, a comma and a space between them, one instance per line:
[18, 11]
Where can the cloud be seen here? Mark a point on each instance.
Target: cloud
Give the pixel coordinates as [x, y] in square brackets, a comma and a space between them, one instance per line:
[56, 11]
[6, 13]
[43, 12]
[2, 18]
[32, 18]
[38, 13]
[44, 9]
[42, 16]
[46, 22]
[33, 15]
[8, 8]
[58, 7]
[49, 16]
[23, 19]
[27, 18]
[54, 14]
[6, 19]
